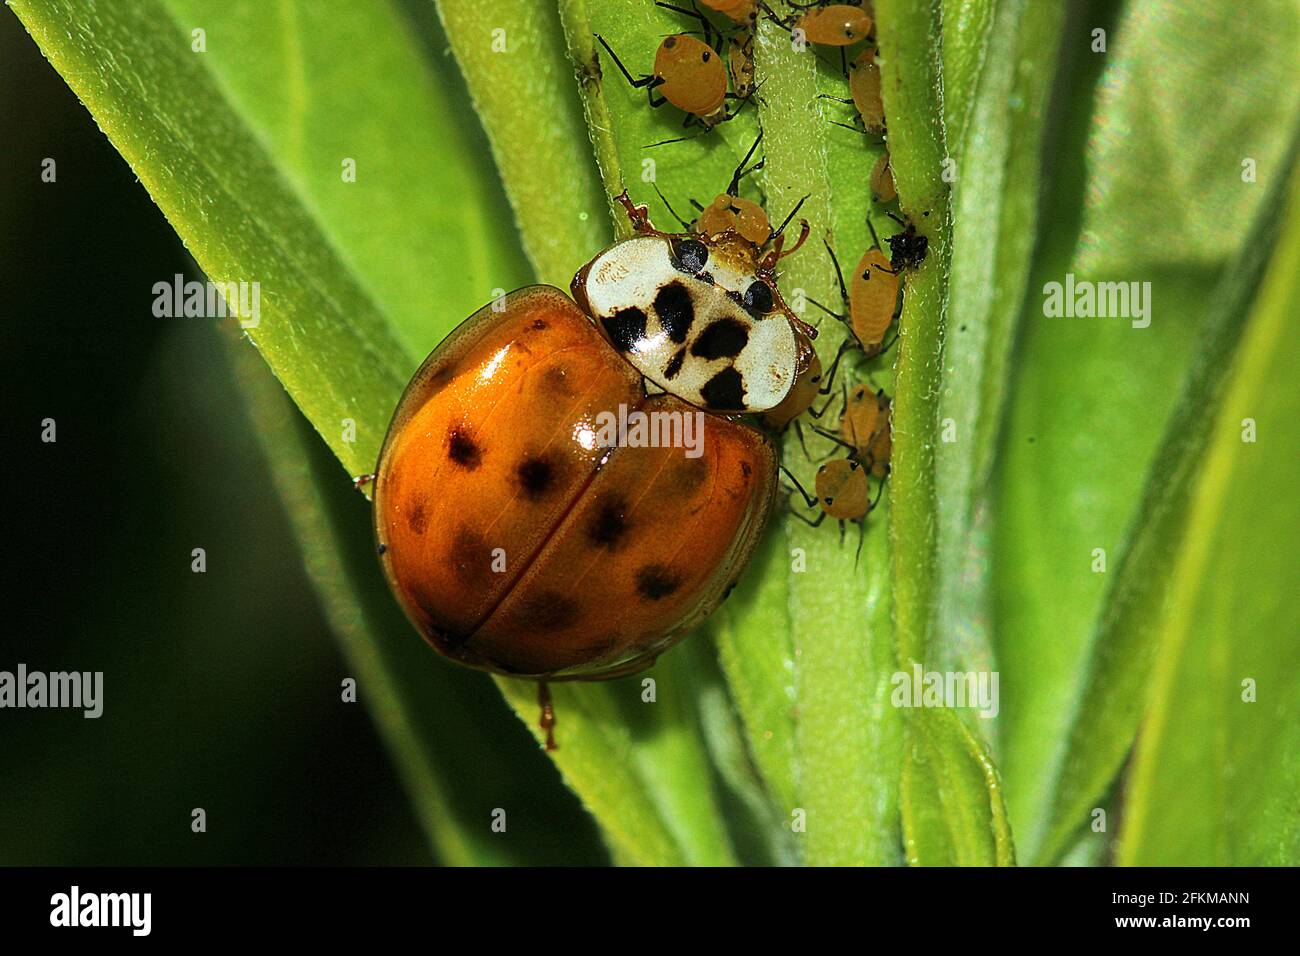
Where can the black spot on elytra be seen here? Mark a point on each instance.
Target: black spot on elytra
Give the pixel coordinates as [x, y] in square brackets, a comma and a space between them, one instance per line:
[536, 476]
[689, 475]
[609, 524]
[675, 310]
[722, 338]
[417, 518]
[675, 364]
[625, 328]
[556, 379]
[726, 390]
[670, 42]
[550, 611]
[471, 558]
[539, 324]
[463, 450]
[655, 582]
[745, 469]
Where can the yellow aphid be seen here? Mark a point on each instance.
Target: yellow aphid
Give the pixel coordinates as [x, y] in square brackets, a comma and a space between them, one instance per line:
[864, 88]
[883, 189]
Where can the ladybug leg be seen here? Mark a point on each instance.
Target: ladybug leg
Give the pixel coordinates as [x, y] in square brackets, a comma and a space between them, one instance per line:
[546, 720]
[862, 535]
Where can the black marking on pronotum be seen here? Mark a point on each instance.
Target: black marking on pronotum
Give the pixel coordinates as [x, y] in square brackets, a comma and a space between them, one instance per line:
[655, 582]
[689, 255]
[675, 364]
[725, 390]
[536, 476]
[758, 300]
[609, 524]
[625, 328]
[676, 311]
[722, 338]
[463, 450]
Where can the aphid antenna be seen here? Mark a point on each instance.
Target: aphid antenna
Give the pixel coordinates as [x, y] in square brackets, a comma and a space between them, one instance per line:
[710, 30]
[831, 436]
[875, 239]
[839, 274]
[779, 233]
[669, 206]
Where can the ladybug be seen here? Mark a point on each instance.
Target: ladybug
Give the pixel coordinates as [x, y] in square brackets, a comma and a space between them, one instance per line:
[517, 536]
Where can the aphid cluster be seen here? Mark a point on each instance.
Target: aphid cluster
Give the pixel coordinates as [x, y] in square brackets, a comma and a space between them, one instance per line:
[520, 540]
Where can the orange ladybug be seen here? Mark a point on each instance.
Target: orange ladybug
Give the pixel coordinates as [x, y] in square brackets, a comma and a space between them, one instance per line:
[520, 530]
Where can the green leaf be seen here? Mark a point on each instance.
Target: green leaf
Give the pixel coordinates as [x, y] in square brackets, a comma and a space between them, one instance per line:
[1231, 618]
[1167, 558]
[836, 612]
[1088, 398]
[944, 804]
[520, 78]
[947, 771]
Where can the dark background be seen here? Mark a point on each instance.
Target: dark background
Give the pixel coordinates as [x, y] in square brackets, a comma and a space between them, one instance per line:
[221, 690]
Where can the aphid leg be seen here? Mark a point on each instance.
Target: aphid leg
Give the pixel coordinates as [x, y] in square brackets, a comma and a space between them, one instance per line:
[810, 500]
[835, 315]
[646, 83]
[546, 721]
[837, 99]
[734, 186]
[831, 436]
[798, 430]
[845, 346]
